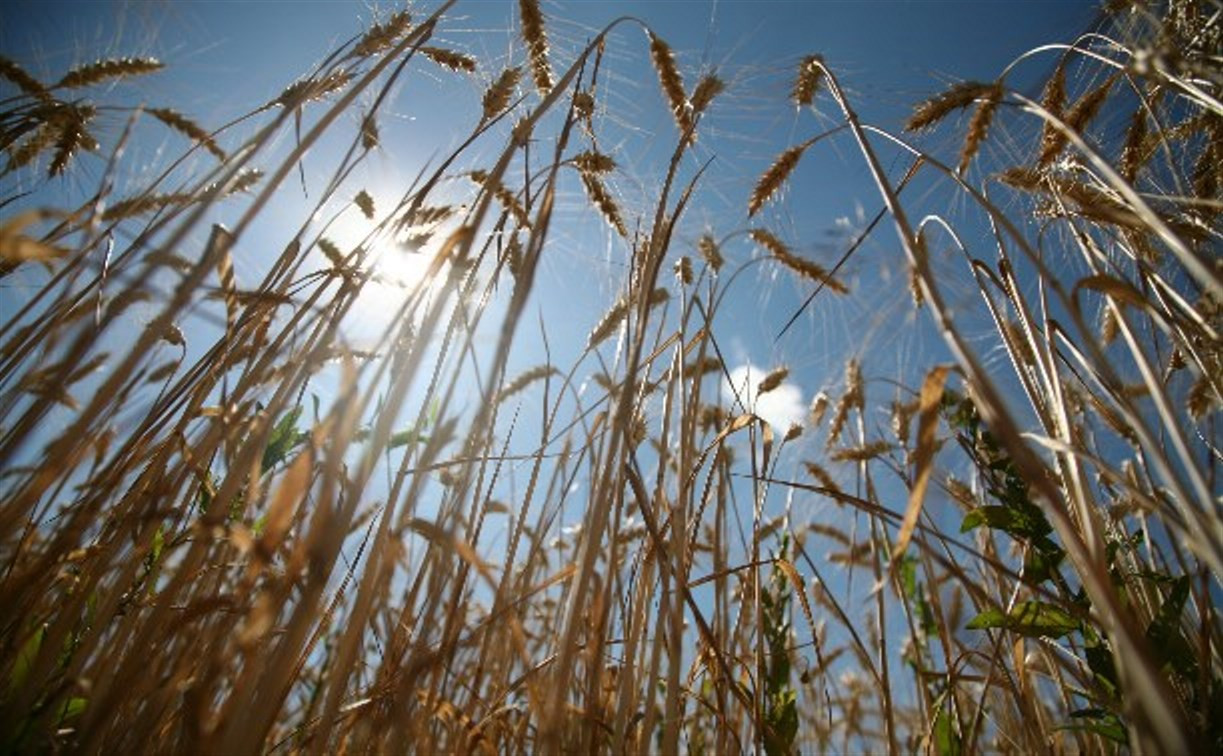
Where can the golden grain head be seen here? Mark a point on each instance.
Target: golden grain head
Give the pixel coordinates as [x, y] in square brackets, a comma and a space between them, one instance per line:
[861, 454]
[807, 83]
[592, 161]
[370, 138]
[364, 203]
[73, 137]
[536, 39]
[311, 89]
[708, 247]
[1076, 118]
[381, 36]
[524, 380]
[773, 178]
[773, 380]
[497, 96]
[105, 70]
[683, 270]
[821, 475]
[17, 75]
[978, 126]
[602, 200]
[672, 83]
[708, 88]
[451, 59]
[958, 96]
[189, 128]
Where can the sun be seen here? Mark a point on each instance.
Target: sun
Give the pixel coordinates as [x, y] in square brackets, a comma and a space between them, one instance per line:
[397, 259]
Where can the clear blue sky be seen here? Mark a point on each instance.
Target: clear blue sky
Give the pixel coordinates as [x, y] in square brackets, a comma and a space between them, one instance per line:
[225, 58]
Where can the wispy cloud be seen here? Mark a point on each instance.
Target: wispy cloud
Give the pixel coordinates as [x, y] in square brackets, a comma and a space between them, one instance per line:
[780, 408]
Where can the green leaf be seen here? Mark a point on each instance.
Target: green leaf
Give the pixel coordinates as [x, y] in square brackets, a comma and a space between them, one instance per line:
[1023, 520]
[1040, 564]
[1100, 662]
[1165, 634]
[405, 437]
[25, 659]
[782, 721]
[1032, 619]
[1101, 722]
[946, 739]
[153, 560]
[284, 437]
[73, 708]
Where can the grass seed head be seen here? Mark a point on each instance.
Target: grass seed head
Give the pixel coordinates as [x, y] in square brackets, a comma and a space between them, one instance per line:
[807, 83]
[774, 177]
[536, 39]
[936, 108]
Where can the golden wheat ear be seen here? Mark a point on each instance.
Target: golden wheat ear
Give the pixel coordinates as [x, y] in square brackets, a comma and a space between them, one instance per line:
[774, 177]
[935, 109]
[536, 39]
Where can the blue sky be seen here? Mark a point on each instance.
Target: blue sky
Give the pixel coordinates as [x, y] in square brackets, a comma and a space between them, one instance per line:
[227, 58]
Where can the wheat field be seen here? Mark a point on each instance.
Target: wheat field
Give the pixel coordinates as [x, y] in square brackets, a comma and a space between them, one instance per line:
[290, 463]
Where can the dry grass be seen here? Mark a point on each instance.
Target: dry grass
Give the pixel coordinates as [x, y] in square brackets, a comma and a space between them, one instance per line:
[227, 528]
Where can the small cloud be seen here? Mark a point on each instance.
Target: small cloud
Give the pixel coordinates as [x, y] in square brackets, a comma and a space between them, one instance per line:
[780, 408]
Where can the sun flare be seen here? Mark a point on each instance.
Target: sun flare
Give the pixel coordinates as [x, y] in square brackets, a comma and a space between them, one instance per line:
[397, 260]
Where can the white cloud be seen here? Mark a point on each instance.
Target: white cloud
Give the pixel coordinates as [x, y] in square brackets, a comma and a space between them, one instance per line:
[780, 408]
